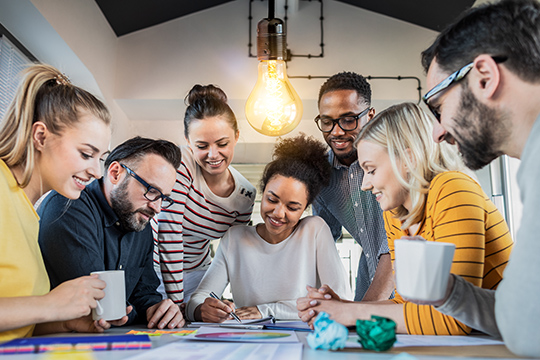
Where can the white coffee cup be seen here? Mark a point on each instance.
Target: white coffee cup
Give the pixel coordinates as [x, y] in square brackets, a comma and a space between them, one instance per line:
[113, 305]
[422, 268]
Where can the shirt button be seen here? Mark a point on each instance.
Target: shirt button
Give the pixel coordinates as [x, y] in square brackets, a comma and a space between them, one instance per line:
[121, 266]
[361, 230]
[367, 255]
[352, 176]
[355, 204]
[117, 223]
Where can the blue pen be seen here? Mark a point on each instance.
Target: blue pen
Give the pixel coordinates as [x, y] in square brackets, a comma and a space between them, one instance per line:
[212, 294]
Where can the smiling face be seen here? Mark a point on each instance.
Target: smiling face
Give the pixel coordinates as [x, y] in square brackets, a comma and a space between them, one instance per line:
[379, 177]
[336, 104]
[71, 160]
[477, 129]
[212, 141]
[283, 201]
[127, 198]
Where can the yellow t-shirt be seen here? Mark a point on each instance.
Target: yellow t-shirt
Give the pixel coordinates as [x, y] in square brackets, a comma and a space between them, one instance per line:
[457, 211]
[22, 272]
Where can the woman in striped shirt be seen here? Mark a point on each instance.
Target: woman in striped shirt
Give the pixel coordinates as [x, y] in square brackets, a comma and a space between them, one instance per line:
[209, 195]
[422, 193]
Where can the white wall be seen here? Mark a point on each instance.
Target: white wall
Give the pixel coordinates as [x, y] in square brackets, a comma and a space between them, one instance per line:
[158, 66]
[83, 27]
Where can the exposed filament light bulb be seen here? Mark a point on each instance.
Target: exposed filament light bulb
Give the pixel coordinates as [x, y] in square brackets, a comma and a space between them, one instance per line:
[273, 108]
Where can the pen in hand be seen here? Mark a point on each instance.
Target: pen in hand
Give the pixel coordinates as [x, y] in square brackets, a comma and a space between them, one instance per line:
[212, 294]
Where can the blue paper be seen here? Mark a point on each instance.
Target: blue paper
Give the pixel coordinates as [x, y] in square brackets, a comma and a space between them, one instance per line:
[328, 334]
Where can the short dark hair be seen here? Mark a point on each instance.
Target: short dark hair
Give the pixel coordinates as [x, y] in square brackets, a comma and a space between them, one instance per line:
[347, 81]
[133, 150]
[207, 101]
[302, 158]
[509, 28]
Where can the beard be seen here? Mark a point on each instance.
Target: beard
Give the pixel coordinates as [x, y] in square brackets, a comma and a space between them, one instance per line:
[124, 209]
[341, 156]
[481, 131]
[348, 156]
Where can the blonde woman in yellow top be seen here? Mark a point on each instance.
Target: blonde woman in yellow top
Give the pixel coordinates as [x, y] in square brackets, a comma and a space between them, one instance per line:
[422, 192]
[52, 137]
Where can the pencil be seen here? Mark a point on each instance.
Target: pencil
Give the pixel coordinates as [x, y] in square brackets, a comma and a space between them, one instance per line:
[235, 317]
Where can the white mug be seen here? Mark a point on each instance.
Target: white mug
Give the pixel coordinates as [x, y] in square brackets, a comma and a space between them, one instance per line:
[113, 305]
[422, 268]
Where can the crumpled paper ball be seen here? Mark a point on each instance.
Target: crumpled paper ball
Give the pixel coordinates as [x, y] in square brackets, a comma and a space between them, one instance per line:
[377, 334]
[327, 334]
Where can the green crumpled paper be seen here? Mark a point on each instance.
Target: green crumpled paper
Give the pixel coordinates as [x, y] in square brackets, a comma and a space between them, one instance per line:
[377, 334]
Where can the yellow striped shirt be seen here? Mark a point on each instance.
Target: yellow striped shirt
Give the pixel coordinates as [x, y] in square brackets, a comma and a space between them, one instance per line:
[457, 211]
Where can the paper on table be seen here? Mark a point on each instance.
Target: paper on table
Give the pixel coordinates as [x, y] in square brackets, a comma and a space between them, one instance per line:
[246, 336]
[268, 319]
[187, 350]
[288, 325]
[432, 340]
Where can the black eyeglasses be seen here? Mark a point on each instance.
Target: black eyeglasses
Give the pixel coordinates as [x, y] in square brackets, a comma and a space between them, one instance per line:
[151, 194]
[346, 123]
[451, 80]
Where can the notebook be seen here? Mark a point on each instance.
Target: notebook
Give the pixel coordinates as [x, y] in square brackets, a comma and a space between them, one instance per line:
[70, 343]
[246, 324]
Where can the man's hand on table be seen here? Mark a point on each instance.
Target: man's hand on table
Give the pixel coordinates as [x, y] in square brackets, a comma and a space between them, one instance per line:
[86, 324]
[164, 314]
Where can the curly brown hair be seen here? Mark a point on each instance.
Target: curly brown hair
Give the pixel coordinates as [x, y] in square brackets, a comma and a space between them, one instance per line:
[302, 158]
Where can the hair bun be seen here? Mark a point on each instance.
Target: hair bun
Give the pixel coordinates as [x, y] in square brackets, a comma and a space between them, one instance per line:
[199, 92]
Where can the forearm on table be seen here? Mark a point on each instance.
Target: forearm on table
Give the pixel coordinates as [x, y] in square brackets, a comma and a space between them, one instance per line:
[383, 282]
[282, 310]
[50, 328]
[471, 305]
[17, 312]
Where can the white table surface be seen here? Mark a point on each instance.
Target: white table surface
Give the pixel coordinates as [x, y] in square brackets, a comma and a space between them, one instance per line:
[446, 353]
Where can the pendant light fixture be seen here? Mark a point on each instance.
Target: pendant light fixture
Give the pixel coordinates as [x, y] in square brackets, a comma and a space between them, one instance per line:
[273, 108]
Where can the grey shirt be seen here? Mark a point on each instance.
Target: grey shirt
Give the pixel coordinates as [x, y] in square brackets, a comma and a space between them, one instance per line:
[514, 304]
[343, 204]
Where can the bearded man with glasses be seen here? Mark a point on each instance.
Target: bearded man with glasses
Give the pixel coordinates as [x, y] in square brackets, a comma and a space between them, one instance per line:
[484, 76]
[107, 227]
[344, 108]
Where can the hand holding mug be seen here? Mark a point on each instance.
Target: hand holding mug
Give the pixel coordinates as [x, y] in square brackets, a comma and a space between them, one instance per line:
[422, 269]
[113, 305]
[75, 298]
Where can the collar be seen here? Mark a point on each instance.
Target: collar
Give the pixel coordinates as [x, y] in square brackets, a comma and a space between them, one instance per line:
[338, 165]
[95, 190]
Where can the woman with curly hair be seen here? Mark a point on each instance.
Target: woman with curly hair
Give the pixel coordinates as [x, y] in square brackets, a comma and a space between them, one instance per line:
[270, 264]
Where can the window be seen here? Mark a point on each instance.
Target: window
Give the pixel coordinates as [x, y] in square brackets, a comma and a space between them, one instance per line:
[12, 61]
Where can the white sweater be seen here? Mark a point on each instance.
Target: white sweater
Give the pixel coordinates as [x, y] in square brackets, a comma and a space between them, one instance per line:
[273, 276]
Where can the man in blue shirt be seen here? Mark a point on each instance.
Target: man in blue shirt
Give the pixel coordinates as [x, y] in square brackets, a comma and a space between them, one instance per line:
[344, 108]
[106, 228]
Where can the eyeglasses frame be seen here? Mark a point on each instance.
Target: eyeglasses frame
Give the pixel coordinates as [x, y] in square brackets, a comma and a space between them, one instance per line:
[336, 121]
[454, 78]
[164, 198]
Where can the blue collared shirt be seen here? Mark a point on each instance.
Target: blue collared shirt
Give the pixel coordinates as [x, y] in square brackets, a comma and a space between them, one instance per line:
[343, 204]
[80, 236]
